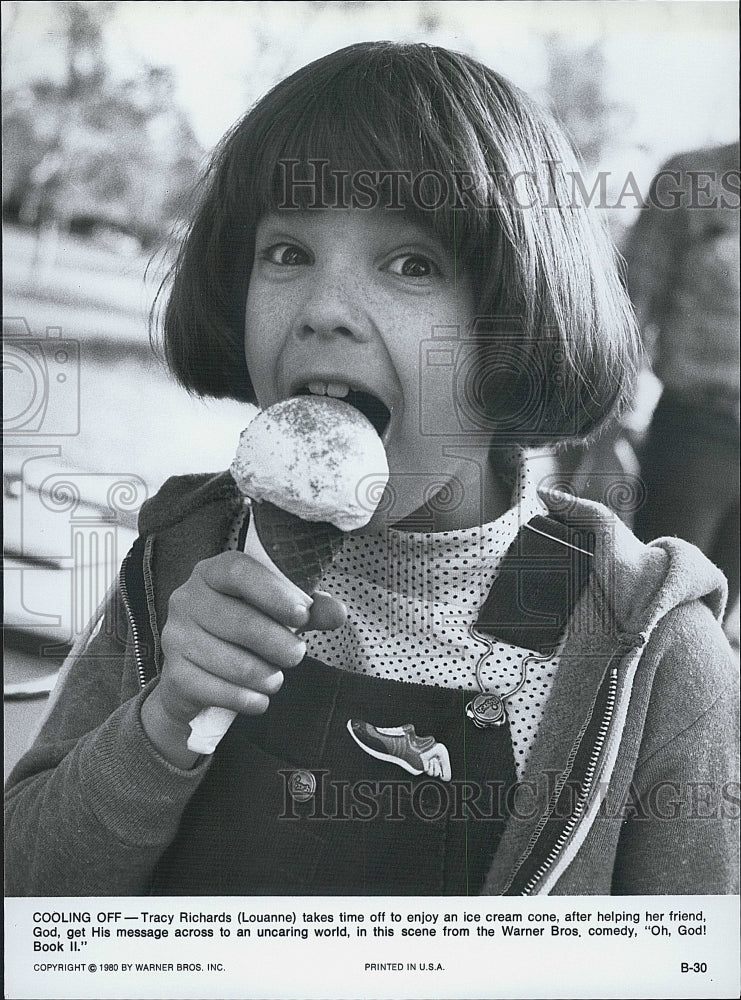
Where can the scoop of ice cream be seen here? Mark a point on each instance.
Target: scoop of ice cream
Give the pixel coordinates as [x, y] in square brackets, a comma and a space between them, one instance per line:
[316, 457]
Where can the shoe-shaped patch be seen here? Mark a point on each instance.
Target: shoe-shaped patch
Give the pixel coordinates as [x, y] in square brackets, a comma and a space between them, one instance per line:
[401, 745]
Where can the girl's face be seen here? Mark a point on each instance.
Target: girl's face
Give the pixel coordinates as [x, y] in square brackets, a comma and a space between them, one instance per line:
[341, 302]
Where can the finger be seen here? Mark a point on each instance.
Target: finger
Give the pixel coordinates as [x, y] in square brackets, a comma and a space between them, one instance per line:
[235, 664]
[326, 613]
[234, 621]
[215, 690]
[197, 688]
[239, 575]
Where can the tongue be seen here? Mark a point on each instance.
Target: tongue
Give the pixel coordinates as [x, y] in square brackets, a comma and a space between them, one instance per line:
[371, 407]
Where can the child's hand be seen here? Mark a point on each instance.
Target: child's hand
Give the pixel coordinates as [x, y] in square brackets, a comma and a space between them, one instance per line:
[227, 641]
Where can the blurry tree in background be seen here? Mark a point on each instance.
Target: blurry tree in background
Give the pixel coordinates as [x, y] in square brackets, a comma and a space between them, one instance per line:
[90, 151]
[577, 95]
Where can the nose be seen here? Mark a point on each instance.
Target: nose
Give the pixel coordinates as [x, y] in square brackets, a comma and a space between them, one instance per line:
[330, 309]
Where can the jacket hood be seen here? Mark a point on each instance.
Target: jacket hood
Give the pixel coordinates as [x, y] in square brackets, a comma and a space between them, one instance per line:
[641, 583]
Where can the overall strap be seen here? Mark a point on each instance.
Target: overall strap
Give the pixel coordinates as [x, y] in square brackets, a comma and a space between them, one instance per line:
[540, 580]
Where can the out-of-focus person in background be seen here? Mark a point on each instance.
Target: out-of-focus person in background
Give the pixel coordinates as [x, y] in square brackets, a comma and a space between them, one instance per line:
[683, 277]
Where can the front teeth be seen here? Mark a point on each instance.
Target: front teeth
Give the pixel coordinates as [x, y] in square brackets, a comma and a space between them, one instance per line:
[337, 389]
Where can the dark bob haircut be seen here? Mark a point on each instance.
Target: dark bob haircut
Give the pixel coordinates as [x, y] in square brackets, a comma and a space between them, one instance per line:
[438, 134]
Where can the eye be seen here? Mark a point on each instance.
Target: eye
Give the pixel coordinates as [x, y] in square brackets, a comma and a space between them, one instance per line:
[286, 254]
[413, 265]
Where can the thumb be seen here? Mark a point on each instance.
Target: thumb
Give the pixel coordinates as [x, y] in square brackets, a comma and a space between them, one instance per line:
[326, 613]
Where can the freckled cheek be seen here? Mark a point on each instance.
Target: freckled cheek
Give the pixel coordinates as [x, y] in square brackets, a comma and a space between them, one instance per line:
[271, 306]
[408, 371]
[413, 333]
[266, 314]
[258, 300]
[259, 350]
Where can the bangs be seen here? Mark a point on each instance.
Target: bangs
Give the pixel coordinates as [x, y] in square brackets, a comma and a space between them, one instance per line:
[367, 129]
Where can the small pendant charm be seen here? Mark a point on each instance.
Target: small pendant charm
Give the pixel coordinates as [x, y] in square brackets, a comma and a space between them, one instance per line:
[486, 710]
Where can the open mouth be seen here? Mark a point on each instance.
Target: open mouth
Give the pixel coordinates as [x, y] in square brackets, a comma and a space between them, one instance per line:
[373, 408]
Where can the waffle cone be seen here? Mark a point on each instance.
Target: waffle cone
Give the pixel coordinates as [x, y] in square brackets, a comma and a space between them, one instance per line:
[302, 550]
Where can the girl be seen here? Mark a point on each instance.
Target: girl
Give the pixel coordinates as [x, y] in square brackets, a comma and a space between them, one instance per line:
[506, 693]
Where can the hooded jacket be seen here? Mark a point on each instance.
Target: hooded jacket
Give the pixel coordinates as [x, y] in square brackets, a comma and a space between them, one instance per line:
[632, 782]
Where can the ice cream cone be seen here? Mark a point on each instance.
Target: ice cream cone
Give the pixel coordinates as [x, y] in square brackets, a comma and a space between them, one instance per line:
[302, 550]
[309, 454]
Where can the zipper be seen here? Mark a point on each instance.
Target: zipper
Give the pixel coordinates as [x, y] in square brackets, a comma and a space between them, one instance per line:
[636, 641]
[588, 779]
[138, 656]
